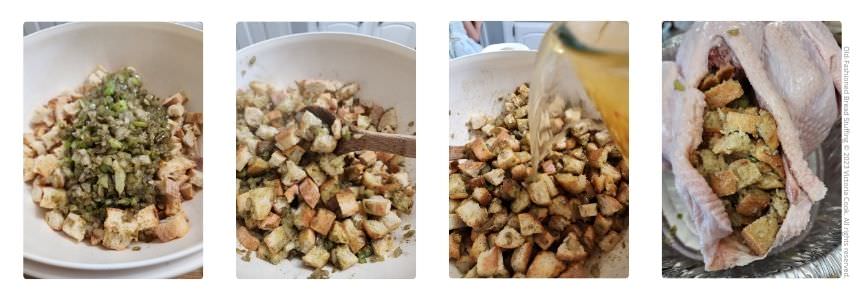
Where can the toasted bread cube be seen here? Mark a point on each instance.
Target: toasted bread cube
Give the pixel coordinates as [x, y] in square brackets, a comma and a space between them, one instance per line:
[539, 193]
[338, 234]
[52, 198]
[454, 240]
[752, 202]
[506, 159]
[367, 157]
[561, 206]
[347, 202]
[376, 205]
[29, 162]
[609, 241]
[372, 181]
[780, 205]
[276, 239]
[746, 172]
[118, 234]
[711, 162]
[388, 119]
[570, 249]
[454, 222]
[482, 195]
[286, 138]
[276, 159]
[472, 213]
[391, 220]
[521, 257]
[763, 153]
[246, 239]
[45, 165]
[743, 122]
[609, 205]
[545, 265]
[723, 93]
[723, 183]
[519, 172]
[470, 168]
[287, 198]
[572, 165]
[490, 263]
[768, 130]
[573, 184]
[309, 192]
[54, 219]
[314, 171]
[171, 228]
[316, 258]
[521, 202]
[74, 226]
[261, 201]
[265, 132]
[495, 176]
[549, 183]
[602, 224]
[383, 246]
[342, 257]
[257, 166]
[270, 222]
[480, 150]
[544, 239]
[253, 116]
[305, 240]
[293, 174]
[760, 235]
[375, 229]
[303, 216]
[356, 237]
[323, 221]
[735, 142]
[457, 187]
[529, 225]
[323, 143]
[712, 122]
[509, 238]
[187, 191]
[588, 210]
[480, 243]
[147, 217]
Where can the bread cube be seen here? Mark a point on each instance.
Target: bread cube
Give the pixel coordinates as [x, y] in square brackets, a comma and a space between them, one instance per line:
[74, 226]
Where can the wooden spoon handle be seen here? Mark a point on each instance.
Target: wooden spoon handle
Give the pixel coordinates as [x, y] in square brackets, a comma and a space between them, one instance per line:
[456, 152]
[399, 144]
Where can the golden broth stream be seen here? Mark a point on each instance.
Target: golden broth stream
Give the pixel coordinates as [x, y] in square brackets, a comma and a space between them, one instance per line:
[580, 60]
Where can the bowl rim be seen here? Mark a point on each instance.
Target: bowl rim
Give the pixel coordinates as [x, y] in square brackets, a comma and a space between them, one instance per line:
[72, 25]
[490, 55]
[310, 36]
[175, 28]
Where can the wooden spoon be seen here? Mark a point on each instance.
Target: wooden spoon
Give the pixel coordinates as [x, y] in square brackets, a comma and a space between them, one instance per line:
[399, 144]
[456, 152]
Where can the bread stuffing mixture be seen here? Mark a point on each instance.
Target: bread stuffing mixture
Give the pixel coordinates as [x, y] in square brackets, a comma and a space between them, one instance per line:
[296, 198]
[741, 159]
[111, 163]
[509, 219]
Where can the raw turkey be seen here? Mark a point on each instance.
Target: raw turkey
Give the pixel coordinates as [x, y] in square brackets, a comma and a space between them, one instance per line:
[795, 71]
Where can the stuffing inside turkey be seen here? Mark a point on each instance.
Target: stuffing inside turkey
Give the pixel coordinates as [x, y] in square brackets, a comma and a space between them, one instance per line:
[744, 104]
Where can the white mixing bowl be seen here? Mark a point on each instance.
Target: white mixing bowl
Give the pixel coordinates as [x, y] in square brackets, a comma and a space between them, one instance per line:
[169, 58]
[385, 72]
[476, 83]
